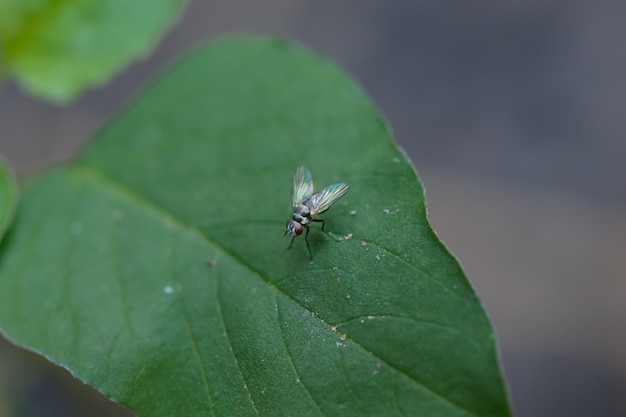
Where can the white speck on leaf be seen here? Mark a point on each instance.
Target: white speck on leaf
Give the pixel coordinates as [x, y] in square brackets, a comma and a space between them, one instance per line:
[371, 317]
[117, 215]
[76, 228]
[348, 296]
[377, 369]
[377, 258]
[363, 243]
[396, 160]
[386, 211]
[343, 336]
[353, 212]
[168, 289]
[349, 236]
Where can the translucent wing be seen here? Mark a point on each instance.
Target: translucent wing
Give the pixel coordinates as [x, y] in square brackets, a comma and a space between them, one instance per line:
[302, 186]
[320, 202]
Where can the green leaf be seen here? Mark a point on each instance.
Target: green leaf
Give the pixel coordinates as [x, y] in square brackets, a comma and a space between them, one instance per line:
[154, 266]
[57, 48]
[8, 197]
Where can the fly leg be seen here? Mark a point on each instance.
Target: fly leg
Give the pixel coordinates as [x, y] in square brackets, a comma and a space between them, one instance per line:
[291, 244]
[323, 224]
[306, 235]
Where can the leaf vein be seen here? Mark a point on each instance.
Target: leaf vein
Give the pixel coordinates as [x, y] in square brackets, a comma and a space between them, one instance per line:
[126, 315]
[289, 354]
[428, 323]
[192, 337]
[230, 345]
[415, 267]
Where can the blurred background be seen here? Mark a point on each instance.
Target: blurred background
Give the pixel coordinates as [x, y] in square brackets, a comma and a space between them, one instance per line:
[514, 114]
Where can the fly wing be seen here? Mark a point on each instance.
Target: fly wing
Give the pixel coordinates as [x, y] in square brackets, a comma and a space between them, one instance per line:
[302, 186]
[320, 202]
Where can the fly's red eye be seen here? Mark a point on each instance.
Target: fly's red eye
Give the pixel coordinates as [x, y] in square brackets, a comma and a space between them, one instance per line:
[298, 229]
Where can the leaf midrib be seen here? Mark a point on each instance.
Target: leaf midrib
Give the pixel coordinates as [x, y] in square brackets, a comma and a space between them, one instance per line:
[128, 192]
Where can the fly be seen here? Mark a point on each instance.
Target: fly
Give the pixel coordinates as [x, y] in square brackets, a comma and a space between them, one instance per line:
[307, 205]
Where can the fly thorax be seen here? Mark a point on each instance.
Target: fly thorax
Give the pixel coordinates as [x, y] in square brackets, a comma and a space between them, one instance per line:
[301, 214]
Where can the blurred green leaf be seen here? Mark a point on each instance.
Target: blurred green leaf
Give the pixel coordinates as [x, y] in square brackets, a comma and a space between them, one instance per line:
[154, 266]
[8, 197]
[57, 48]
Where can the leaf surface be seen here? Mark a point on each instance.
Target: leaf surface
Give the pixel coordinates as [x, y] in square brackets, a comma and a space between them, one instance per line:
[154, 266]
[57, 48]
